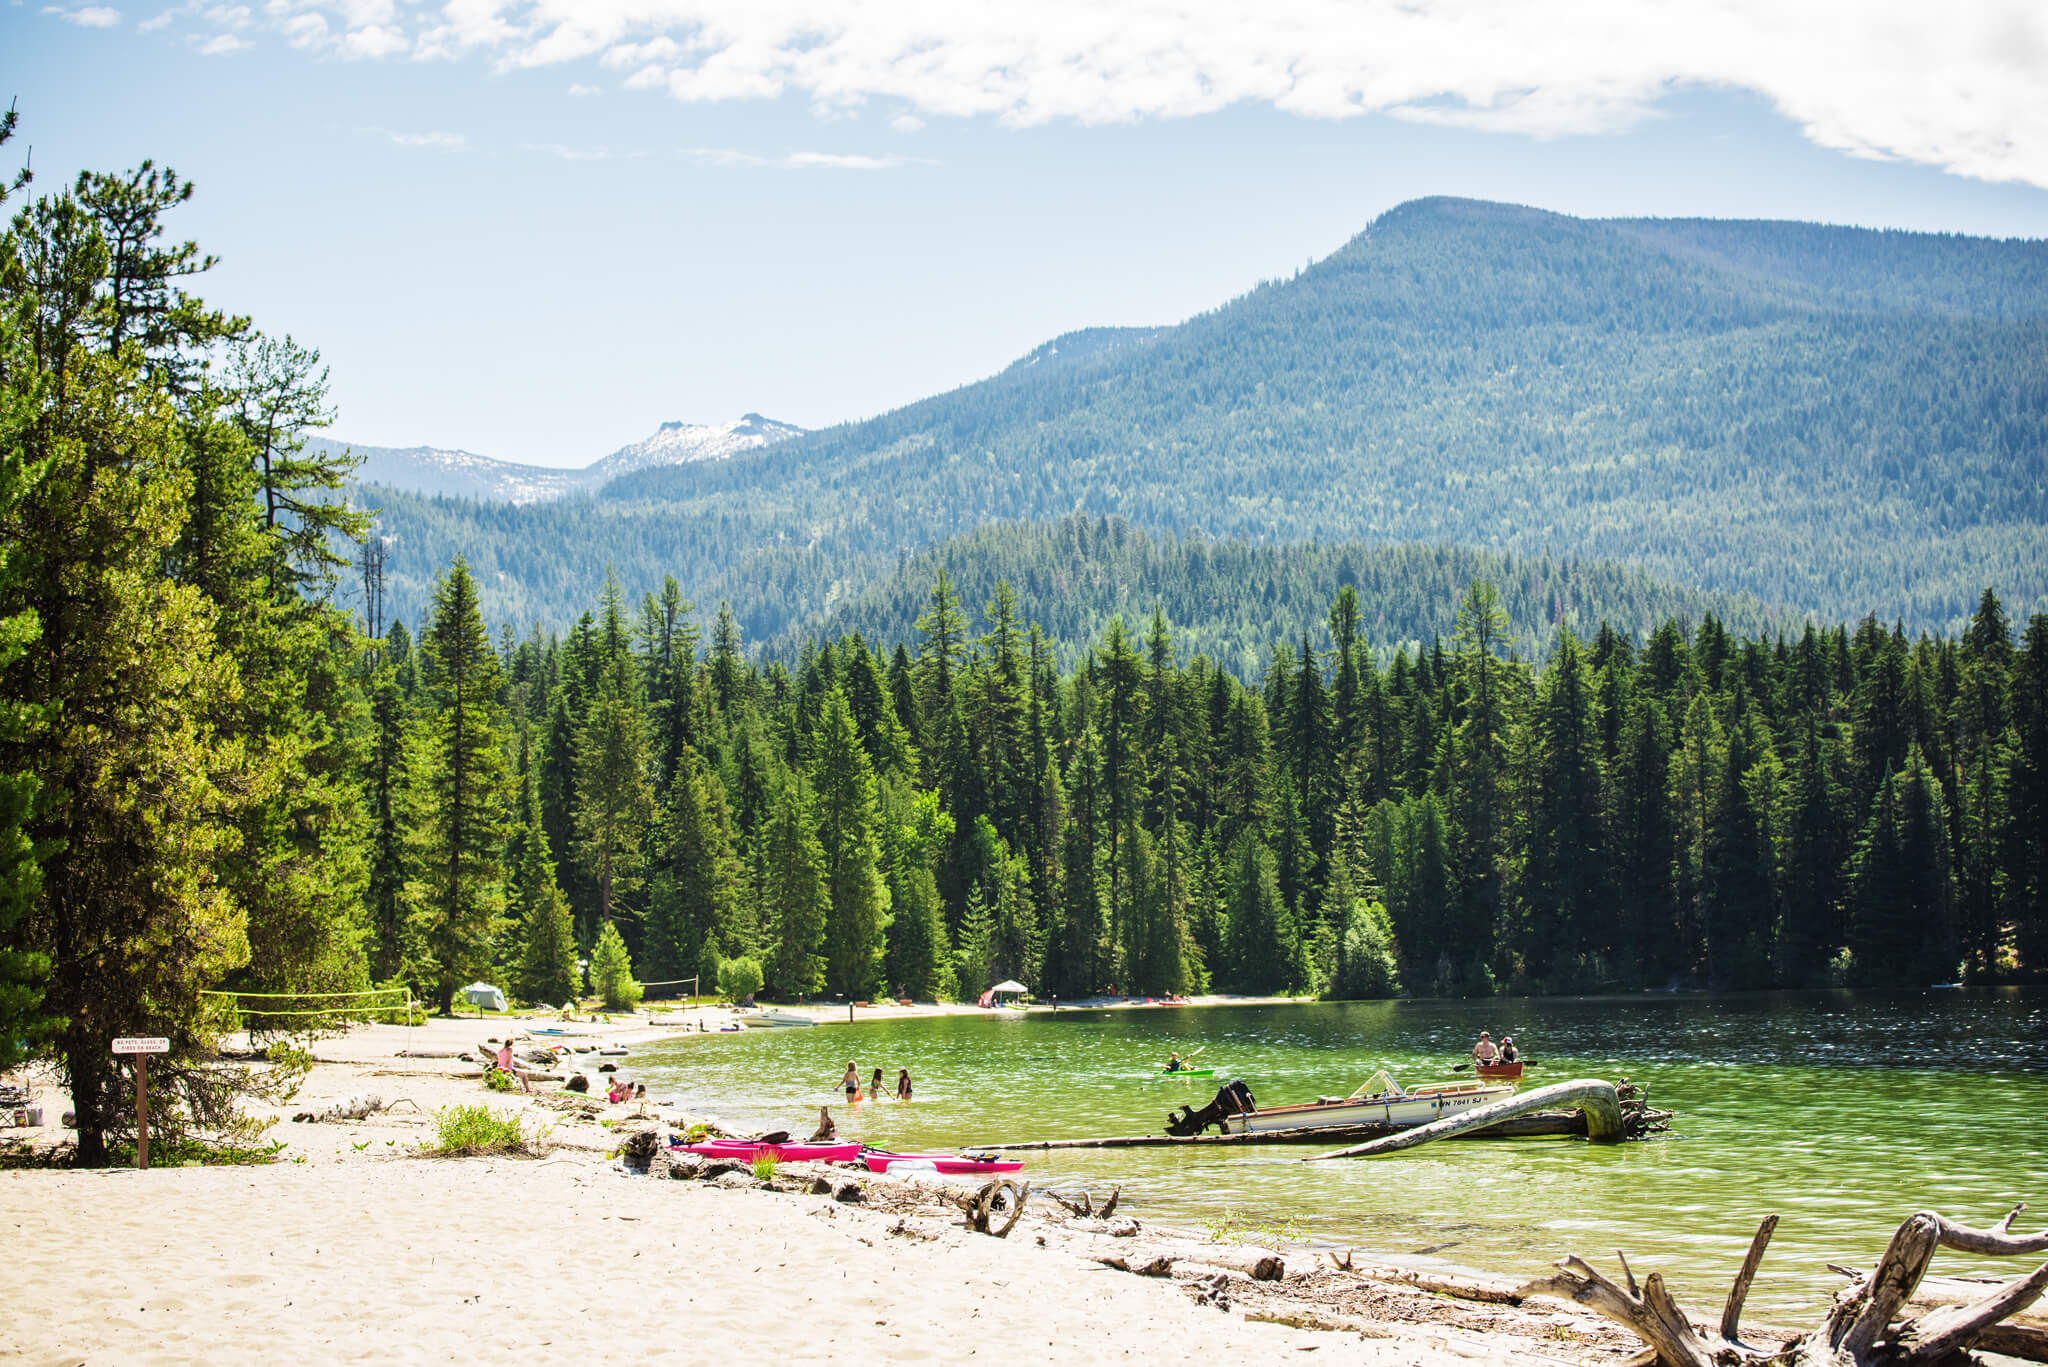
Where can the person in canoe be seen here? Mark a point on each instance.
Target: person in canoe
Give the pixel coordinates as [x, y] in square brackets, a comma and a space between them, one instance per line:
[1484, 1053]
[851, 1082]
[1508, 1052]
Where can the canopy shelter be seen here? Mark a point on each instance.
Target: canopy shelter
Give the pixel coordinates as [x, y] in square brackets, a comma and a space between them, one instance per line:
[1009, 987]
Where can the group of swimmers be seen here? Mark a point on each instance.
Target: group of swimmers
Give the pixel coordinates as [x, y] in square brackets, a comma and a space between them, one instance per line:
[851, 1083]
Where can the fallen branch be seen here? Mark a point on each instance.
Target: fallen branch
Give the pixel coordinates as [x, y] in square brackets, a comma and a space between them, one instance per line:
[1862, 1328]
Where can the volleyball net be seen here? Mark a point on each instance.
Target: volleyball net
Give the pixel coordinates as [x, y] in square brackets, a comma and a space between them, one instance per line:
[299, 1012]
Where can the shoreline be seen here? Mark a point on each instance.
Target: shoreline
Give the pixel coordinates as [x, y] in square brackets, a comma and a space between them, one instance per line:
[347, 1246]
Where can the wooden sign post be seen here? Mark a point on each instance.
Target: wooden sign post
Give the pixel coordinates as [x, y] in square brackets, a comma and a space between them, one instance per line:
[142, 1047]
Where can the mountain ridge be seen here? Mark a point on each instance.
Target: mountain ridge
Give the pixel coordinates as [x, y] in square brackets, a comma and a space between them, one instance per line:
[434, 470]
[1840, 420]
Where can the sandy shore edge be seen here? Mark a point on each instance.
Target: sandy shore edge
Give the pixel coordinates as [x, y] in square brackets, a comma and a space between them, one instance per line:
[350, 1248]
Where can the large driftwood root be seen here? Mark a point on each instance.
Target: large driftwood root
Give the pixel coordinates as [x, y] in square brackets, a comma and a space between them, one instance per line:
[1861, 1330]
[983, 1206]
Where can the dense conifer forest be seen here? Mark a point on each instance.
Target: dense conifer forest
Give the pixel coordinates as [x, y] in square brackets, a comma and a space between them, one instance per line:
[1838, 420]
[212, 777]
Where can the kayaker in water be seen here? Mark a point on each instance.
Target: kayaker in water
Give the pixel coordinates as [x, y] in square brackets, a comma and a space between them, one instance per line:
[1484, 1053]
[1173, 1063]
[851, 1082]
[903, 1084]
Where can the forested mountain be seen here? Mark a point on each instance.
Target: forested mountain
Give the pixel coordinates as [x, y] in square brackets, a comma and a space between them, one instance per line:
[1232, 601]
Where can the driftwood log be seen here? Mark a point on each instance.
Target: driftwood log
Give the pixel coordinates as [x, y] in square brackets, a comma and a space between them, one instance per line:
[1596, 1100]
[1862, 1329]
[355, 1108]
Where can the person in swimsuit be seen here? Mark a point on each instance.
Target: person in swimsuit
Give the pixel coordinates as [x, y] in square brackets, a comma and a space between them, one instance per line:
[903, 1084]
[1483, 1053]
[1508, 1052]
[851, 1082]
[875, 1085]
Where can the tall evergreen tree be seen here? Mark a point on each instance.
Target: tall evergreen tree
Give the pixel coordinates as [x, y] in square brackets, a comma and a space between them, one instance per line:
[843, 788]
[459, 893]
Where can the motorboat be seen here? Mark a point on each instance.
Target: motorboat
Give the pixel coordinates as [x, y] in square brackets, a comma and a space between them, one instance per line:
[771, 1017]
[1381, 1101]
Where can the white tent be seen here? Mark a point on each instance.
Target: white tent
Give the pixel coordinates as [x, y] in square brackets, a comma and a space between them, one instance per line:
[484, 997]
[1008, 985]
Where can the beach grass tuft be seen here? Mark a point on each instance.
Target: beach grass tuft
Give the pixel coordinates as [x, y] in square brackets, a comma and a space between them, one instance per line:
[467, 1131]
[764, 1166]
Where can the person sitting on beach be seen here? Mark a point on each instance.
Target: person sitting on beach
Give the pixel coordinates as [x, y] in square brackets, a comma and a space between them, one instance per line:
[903, 1084]
[875, 1085]
[618, 1091]
[1483, 1053]
[851, 1082]
[1508, 1052]
[826, 1129]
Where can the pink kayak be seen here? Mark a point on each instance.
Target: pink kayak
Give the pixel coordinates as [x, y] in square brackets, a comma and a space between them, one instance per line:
[746, 1149]
[878, 1161]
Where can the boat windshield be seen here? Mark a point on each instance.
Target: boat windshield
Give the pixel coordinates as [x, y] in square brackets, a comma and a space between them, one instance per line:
[1379, 1084]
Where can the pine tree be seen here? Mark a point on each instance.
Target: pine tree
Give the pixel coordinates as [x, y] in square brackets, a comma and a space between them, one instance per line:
[794, 904]
[696, 875]
[919, 956]
[843, 796]
[459, 893]
[138, 793]
[613, 800]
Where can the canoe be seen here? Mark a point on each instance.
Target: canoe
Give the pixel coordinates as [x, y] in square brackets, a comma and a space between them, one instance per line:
[878, 1160]
[1500, 1072]
[747, 1150]
[1382, 1101]
[1182, 1072]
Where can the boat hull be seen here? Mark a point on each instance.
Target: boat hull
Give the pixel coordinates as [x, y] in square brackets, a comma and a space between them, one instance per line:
[779, 1018]
[1500, 1072]
[879, 1161]
[747, 1151]
[1419, 1107]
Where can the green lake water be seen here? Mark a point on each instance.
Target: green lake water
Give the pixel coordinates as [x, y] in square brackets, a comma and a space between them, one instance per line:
[1842, 1112]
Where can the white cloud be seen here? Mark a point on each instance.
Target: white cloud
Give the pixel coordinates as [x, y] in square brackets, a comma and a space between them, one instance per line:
[159, 20]
[723, 156]
[230, 16]
[835, 161]
[375, 40]
[305, 30]
[567, 153]
[1956, 85]
[440, 142]
[86, 16]
[906, 123]
[580, 90]
[220, 45]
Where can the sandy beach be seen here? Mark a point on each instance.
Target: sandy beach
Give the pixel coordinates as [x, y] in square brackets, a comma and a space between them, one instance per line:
[351, 1247]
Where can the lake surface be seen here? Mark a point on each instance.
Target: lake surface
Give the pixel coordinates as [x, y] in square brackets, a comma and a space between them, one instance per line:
[1842, 1112]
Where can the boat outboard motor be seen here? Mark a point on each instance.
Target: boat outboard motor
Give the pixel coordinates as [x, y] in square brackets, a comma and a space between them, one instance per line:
[1233, 1098]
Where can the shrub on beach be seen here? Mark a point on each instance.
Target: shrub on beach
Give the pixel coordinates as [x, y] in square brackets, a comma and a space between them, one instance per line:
[738, 978]
[611, 971]
[466, 1131]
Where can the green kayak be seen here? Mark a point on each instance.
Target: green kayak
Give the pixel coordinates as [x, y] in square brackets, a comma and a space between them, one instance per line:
[1182, 1072]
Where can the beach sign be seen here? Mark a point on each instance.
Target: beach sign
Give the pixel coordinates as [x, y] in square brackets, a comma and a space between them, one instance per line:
[142, 1046]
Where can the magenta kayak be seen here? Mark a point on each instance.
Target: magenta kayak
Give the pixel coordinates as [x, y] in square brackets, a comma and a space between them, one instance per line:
[747, 1149]
[879, 1161]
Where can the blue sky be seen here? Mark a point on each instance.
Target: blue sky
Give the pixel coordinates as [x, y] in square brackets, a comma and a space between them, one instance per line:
[538, 228]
